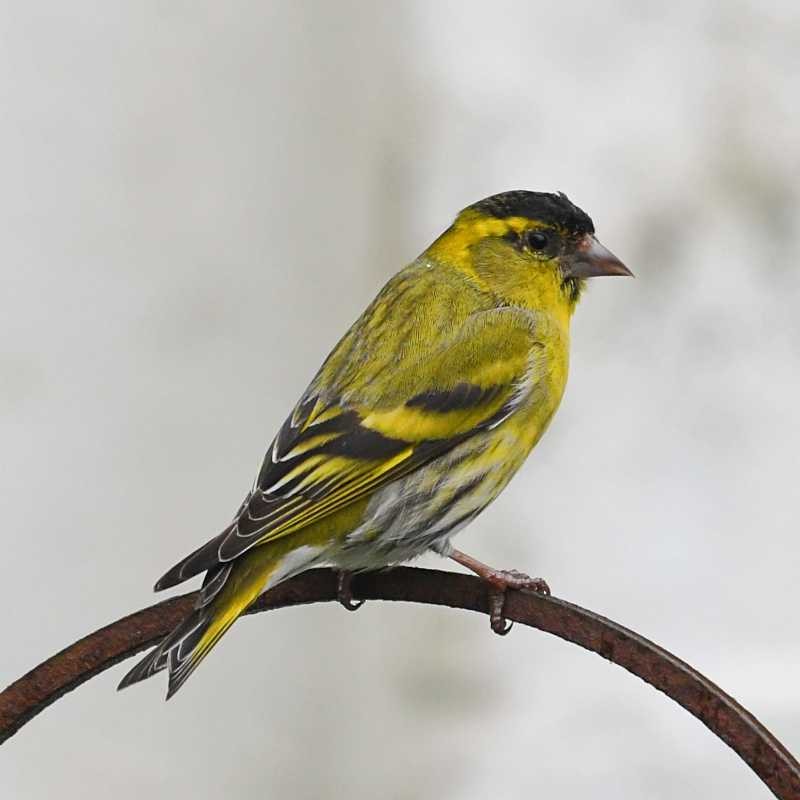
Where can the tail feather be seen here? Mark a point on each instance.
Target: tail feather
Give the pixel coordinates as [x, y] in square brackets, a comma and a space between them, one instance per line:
[185, 656]
[153, 662]
[226, 593]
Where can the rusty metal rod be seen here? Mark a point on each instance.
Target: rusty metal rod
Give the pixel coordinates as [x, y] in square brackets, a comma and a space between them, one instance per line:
[719, 712]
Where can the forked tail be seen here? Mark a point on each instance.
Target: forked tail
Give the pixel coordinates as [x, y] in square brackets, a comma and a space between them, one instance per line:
[227, 592]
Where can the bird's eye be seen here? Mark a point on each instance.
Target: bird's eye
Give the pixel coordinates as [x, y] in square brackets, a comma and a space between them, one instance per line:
[537, 240]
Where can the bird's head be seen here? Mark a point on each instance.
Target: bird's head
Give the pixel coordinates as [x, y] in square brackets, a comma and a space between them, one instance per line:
[532, 249]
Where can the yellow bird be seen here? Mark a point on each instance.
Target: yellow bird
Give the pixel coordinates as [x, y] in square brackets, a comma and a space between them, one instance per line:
[414, 423]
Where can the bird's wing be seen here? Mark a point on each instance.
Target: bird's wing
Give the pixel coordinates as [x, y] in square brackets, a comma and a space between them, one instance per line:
[340, 444]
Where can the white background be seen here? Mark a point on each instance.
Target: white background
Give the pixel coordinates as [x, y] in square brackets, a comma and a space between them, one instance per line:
[198, 198]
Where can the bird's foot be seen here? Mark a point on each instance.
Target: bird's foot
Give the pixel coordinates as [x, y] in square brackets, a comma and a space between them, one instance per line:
[344, 591]
[499, 582]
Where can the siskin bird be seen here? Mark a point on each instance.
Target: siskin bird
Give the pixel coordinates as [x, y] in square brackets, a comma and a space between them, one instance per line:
[415, 422]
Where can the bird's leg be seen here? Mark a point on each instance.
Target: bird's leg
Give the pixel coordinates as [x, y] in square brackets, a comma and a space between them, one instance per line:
[498, 581]
[344, 591]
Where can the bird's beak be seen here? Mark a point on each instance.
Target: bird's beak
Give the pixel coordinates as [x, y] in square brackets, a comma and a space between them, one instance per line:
[591, 259]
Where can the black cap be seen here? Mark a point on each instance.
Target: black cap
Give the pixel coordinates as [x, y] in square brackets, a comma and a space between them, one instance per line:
[555, 209]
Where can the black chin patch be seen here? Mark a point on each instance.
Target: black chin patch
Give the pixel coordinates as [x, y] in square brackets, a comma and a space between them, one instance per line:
[573, 288]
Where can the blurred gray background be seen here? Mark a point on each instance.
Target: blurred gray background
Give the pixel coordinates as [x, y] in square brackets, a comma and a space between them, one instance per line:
[198, 198]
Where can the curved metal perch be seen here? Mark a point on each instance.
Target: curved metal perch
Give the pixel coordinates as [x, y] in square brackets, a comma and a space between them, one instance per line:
[739, 729]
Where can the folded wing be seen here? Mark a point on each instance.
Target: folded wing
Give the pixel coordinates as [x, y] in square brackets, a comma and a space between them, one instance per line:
[341, 443]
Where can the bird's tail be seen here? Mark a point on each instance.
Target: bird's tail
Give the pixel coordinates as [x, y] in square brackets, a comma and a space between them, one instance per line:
[227, 591]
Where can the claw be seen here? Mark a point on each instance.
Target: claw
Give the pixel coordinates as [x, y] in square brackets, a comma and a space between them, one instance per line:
[497, 601]
[344, 591]
[500, 581]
